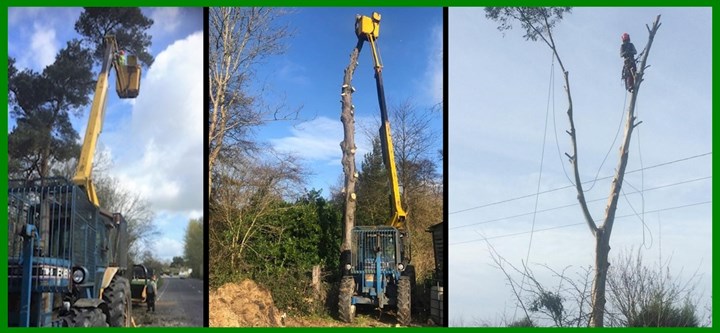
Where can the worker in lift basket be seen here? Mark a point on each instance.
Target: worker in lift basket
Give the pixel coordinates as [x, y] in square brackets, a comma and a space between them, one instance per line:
[122, 58]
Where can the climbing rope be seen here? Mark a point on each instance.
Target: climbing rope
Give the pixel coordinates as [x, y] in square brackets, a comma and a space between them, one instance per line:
[537, 191]
[617, 133]
[641, 216]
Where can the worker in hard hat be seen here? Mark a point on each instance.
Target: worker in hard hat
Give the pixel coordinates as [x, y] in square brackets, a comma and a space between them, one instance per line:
[627, 52]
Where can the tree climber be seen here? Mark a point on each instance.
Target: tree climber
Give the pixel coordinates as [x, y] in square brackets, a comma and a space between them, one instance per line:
[627, 51]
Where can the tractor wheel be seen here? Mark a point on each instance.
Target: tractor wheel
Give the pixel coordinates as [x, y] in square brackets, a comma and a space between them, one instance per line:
[346, 310]
[85, 317]
[403, 301]
[117, 297]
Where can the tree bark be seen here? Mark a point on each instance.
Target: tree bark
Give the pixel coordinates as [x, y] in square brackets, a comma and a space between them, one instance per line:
[602, 236]
[348, 147]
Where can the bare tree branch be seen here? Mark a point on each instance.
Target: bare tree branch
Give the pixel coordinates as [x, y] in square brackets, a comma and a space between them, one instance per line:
[240, 39]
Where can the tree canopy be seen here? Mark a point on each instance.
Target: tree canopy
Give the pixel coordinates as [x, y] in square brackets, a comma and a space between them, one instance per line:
[536, 21]
[194, 248]
[42, 103]
[128, 24]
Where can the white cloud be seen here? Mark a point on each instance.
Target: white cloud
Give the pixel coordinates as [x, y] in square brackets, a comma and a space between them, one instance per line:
[434, 71]
[166, 18]
[319, 140]
[34, 34]
[160, 149]
[167, 248]
[44, 46]
[315, 139]
[195, 214]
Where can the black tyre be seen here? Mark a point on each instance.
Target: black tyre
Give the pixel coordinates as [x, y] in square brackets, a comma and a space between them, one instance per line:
[346, 310]
[403, 301]
[85, 317]
[117, 298]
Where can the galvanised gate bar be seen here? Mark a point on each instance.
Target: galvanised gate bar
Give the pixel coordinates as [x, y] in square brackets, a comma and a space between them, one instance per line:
[53, 230]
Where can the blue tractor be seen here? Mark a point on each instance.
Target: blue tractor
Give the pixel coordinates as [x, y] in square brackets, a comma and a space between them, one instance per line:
[66, 259]
[378, 274]
[377, 271]
[67, 256]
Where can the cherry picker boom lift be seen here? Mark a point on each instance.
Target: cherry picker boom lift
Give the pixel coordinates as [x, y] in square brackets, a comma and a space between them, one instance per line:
[67, 255]
[379, 271]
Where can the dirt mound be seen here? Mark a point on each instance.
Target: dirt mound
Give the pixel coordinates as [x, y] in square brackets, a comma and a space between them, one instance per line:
[243, 305]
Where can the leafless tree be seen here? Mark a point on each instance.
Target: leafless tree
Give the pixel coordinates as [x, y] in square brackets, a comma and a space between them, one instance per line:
[565, 305]
[245, 192]
[539, 23]
[240, 40]
[135, 209]
[414, 139]
[639, 295]
[650, 296]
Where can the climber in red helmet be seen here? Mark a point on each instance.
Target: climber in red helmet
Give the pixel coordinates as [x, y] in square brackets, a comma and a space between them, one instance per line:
[627, 51]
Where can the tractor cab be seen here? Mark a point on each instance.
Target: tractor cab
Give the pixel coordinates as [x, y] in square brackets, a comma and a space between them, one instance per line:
[376, 264]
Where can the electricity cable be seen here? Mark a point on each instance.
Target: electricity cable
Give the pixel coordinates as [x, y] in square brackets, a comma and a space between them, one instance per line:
[581, 223]
[570, 186]
[575, 204]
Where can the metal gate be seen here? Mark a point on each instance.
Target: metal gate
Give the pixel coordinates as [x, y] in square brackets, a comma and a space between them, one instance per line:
[53, 225]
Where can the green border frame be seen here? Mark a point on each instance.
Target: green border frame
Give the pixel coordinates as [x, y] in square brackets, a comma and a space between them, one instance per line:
[306, 3]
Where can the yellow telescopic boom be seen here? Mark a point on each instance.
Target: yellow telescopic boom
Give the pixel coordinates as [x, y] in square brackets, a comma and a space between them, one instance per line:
[127, 86]
[368, 29]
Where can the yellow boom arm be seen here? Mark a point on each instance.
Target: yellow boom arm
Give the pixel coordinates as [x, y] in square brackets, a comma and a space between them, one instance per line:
[128, 84]
[368, 29]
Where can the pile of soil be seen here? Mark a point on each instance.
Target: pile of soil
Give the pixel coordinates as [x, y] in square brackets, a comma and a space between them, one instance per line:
[243, 305]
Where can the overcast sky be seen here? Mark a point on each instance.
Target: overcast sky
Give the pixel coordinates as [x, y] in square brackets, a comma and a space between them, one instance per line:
[155, 141]
[498, 100]
[310, 73]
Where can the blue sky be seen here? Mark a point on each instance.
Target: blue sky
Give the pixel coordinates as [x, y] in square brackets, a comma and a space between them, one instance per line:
[155, 141]
[498, 101]
[309, 75]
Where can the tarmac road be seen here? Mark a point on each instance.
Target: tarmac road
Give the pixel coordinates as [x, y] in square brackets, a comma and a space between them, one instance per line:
[179, 303]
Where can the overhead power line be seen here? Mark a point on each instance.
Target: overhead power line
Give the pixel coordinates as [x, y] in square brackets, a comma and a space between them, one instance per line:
[575, 204]
[570, 186]
[581, 223]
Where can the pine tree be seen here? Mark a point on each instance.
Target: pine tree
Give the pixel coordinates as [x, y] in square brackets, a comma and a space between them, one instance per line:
[373, 189]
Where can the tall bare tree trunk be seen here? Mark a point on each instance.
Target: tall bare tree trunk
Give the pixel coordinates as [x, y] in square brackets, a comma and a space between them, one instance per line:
[539, 22]
[602, 234]
[348, 159]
